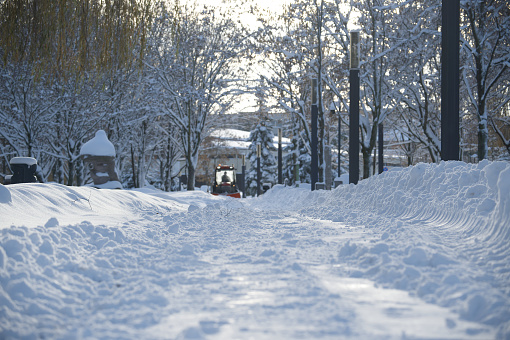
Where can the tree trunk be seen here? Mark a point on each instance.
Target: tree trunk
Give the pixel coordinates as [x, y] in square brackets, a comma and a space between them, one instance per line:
[79, 172]
[70, 179]
[58, 175]
[374, 162]
[483, 134]
[191, 177]
[133, 167]
[367, 159]
[170, 155]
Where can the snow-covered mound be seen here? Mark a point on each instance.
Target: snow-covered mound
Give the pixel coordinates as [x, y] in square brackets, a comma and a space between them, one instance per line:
[420, 252]
[98, 146]
[5, 195]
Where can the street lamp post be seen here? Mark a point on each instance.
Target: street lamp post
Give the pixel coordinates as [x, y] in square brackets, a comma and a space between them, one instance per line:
[381, 148]
[259, 174]
[354, 108]
[244, 176]
[314, 167]
[280, 157]
[450, 139]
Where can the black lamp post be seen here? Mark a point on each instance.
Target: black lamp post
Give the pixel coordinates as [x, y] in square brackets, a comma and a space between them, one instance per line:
[381, 148]
[244, 176]
[450, 138]
[354, 108]
[314, 167]
[280, 157]
[259, 174]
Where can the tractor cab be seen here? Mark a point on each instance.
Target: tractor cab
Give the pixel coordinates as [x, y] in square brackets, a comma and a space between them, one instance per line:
[225, 181]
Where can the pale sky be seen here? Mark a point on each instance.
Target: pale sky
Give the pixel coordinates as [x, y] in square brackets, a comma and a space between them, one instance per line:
[275, 6]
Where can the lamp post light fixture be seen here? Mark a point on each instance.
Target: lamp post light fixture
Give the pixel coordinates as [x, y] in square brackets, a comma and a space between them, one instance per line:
[354, 50]
[354, 107]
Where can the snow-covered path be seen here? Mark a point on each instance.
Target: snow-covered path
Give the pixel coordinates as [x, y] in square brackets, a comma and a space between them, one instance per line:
[430, 262]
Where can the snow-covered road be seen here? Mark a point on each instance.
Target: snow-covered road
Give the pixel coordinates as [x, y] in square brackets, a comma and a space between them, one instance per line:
[419, 253]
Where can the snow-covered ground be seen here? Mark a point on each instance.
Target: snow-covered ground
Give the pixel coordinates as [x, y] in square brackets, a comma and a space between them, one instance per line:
[416, 253]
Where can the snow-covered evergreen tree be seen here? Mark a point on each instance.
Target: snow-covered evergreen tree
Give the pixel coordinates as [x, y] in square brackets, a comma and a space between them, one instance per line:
[297, 153]
[264, 136]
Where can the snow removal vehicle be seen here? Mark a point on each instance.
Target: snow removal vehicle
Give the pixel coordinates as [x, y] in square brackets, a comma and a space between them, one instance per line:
[225, 181]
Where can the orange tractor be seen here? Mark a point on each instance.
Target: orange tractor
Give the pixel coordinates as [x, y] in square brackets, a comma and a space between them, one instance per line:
[225, 181]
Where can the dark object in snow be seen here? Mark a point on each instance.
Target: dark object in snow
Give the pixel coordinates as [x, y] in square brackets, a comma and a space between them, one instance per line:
[337, 182]
[320, 186]
[266, 187]
[23, 170]
[102, 171]
[99, 154]
[225, 181]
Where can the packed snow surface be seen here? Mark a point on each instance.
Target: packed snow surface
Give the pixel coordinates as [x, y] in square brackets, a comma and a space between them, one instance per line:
[415, 253]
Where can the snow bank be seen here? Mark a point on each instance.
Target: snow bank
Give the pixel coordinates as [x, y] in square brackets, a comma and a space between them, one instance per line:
[500, 222]
[441, 232]
[472, 197]
[5, 194]
[33, 204]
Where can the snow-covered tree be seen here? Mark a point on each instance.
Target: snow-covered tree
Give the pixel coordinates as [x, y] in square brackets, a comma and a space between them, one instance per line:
[25, 109]
[290, 50]
[419, 67]
[197, 51]
[310, 40]
[500, 120]
[55, 59]
[263, 136]
[297, 153]
[485, 45]
[379, 91]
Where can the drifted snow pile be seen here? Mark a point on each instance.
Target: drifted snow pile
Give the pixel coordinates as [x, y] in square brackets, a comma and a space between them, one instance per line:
[444, 234]
[124, 264]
